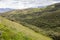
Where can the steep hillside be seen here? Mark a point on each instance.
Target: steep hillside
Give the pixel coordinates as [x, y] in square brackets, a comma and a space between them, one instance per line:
[13, 31]
[46, 20]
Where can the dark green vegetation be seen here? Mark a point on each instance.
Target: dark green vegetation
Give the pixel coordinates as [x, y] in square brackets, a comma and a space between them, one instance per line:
[45, 21]
[13, 31]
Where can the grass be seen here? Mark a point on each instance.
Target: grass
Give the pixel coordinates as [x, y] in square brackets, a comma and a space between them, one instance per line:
[10, 34]
[13, 31]
[41, 20]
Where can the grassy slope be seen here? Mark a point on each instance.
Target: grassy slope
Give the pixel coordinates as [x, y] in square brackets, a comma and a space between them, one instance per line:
[47, 19]
[13, 31]
[10, 34]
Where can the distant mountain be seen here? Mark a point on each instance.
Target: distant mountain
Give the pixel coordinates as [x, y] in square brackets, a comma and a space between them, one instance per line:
[4, 10]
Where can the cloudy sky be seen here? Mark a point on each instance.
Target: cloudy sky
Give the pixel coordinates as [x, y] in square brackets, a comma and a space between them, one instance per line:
[21, 4]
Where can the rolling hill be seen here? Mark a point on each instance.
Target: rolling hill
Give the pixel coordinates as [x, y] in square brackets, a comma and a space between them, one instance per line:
[42, 20]
[13, 31]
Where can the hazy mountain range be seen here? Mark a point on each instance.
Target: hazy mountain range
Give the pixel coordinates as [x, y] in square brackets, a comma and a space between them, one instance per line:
[5, 10]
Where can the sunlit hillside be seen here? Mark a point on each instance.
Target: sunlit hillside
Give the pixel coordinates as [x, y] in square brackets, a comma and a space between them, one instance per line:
[42, 20]
[13, 31]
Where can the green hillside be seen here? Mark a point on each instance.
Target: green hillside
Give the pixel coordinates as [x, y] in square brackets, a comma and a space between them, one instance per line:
[42, 20]
[13, 31]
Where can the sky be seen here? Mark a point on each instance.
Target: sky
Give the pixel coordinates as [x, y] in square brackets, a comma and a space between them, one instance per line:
[22, 4]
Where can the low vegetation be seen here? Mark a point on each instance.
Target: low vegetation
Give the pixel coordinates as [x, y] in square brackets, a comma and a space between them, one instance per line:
[13, 31]
[45, 20]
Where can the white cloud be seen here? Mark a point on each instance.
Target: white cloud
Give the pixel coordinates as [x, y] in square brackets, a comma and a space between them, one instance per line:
[20, 4]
